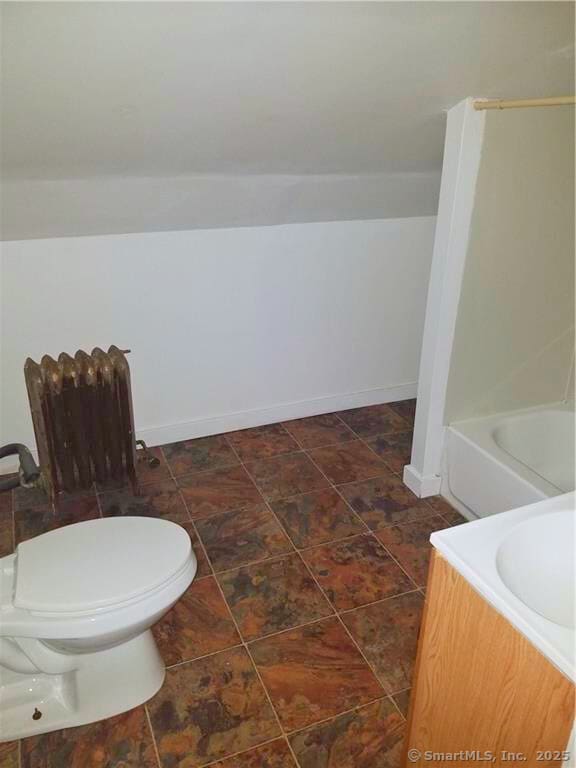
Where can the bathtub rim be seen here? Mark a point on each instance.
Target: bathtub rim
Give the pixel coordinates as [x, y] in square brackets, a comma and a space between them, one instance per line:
[479, 478]
[478, 431]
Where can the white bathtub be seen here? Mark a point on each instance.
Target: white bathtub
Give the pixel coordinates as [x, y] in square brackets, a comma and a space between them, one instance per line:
[500, 462]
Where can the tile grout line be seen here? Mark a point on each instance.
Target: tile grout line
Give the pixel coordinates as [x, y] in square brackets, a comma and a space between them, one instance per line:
[337, 614]
[370, 532]
[397, 474]
[268, 504]
[245, 642]
[240, 635]
[357, 645]
[226, 511]
[322, 445]
[334, 487]
[232, 617]
[180, 496]
[347, 631]
[253, 563]
[289, 629]
[398, 563]
[410, 428]
[297, 551]
[366, 532]
[403, 690]
[265, 500]
[152, 734]
[331, 486]
[190, 519]
[243, 752]
[346, 611]
[384, 473]
[206, 655]
[303, 624]
[270, 558]
[205, 552]
[200, 471]
[269, 699]
[384, 435]
[349, 711]
[257, 671]
[306, 451]
[261, 458]
[331, 541]
[392, 695]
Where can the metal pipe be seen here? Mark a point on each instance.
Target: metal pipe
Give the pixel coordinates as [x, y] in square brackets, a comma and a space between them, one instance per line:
[28, 474]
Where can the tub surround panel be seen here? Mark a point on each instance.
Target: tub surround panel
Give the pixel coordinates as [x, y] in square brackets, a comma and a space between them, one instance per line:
[519, 262]
[543, 376]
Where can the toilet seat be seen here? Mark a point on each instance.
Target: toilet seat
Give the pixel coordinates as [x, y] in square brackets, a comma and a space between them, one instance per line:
[113, 601]
[98, 565]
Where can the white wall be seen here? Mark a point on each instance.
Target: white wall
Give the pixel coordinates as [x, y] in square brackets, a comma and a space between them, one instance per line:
[164, 89]
[153, 116]
[228, 327]
[514, 339]
[37, 208]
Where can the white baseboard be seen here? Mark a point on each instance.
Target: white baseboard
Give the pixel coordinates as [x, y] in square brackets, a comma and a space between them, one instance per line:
[421, 485]
[189, 430]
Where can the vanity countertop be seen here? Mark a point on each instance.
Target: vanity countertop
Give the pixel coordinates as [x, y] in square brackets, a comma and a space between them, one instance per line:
[474, 550]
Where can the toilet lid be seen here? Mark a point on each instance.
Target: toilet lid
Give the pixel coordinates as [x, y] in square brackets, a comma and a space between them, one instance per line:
[98, 563]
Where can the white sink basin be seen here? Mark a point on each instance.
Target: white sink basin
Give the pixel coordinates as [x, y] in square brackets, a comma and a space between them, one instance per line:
[536, 562]
[522, 563]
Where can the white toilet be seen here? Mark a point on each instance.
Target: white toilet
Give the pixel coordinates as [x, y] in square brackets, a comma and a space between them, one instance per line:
[76, 607]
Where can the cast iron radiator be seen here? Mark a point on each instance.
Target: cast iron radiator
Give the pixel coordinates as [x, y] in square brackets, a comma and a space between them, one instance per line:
[83, 419]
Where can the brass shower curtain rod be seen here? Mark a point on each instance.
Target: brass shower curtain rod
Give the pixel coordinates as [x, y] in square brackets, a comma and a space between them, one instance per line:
[552, 101]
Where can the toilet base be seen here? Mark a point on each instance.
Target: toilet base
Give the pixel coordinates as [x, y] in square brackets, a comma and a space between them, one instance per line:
[105, 684]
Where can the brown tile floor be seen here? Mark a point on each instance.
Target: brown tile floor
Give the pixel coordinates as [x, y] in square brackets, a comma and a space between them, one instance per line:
[294, 646]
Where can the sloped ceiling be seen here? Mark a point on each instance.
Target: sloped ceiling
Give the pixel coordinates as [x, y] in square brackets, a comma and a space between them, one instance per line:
[94, 93]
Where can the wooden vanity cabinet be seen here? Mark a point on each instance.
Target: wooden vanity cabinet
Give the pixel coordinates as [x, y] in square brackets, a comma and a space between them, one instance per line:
[482, 687]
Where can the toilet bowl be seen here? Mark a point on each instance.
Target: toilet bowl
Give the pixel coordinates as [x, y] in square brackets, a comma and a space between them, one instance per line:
[76, 608]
